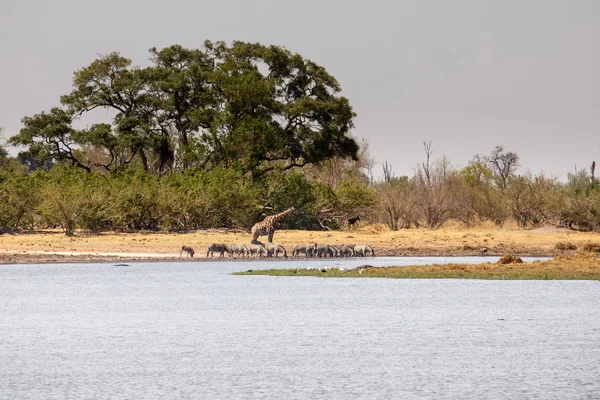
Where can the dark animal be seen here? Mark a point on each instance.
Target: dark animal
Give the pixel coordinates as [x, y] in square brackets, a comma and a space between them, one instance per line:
[217, 248]
[187, 249]
[352, 221]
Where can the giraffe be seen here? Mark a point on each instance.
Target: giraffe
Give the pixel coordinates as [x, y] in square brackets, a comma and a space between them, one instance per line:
[267, 226]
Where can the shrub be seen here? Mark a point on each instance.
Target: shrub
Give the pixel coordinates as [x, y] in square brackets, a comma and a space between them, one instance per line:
[591, 247]
[565, 246]
[509, 259]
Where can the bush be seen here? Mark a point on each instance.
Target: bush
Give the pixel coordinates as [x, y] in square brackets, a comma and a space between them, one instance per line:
[591, 247]
[19, 198]
[509, 259]
[565, 246]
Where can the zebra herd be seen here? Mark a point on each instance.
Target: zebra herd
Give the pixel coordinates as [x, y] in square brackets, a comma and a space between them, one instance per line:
[309, 250]
[313, 250]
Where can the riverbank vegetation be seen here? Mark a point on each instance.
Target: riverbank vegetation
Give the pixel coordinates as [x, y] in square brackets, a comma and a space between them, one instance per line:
[221, 136]
[582, 266]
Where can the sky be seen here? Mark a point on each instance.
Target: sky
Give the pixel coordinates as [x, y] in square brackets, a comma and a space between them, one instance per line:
[465, 75]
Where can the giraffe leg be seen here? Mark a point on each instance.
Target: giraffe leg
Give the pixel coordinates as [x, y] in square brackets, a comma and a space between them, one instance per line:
[271, 233]
[255, 236]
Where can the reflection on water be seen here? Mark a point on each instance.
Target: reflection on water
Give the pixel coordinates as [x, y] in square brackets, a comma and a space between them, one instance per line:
[192, 330]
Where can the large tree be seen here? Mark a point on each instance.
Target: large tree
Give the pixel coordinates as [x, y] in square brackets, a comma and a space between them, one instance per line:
[503, 165]
[49, 135]
[3, 152]
[248, 106]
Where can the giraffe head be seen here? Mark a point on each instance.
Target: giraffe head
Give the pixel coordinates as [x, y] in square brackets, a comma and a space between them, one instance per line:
[286, 212]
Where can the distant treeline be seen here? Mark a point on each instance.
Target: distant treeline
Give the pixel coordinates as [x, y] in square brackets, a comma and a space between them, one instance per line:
[134, 200]
[326, 197]
[488, 189]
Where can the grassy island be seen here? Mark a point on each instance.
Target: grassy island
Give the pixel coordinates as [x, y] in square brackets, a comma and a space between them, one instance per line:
[581, 266]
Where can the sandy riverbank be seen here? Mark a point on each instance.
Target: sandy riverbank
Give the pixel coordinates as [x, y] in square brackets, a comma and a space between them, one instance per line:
[55, 247]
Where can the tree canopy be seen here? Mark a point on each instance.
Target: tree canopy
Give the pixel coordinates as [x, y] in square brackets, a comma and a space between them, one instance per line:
[246, 106]
[3, 152]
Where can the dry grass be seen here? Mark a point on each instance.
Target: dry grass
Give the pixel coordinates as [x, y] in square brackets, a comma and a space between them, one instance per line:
[509, 259]
[591, 247]
[565, 246]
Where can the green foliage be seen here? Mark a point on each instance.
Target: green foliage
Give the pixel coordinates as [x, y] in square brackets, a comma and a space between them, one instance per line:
[49, 136]
[354, 199]
[479, 197]
[18, 199]
[3, 152]
[284, 189]
[579, 207]
[136, 199]
[248, 106]
[532, 200]
[230, 199]
[65, 194]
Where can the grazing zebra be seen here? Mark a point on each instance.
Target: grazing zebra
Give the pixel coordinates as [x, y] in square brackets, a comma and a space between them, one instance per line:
[267, 226]
[217, 247]
[363, 250]
[240, 249]
[257, 250]
[187, 249]
[309, 250]
[275, 249]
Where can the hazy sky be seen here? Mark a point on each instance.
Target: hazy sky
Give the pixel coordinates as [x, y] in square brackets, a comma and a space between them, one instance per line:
[464, 74]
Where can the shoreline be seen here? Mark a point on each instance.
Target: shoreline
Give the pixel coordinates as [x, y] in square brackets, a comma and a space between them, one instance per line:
[44, 247]
[65, 257]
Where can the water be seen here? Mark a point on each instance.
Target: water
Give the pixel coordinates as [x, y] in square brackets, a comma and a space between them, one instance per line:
[191, 330]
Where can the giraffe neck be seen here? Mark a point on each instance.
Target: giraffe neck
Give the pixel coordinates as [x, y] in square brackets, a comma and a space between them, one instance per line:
[282, 214]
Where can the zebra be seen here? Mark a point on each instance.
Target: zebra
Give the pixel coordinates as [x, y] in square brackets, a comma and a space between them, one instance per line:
[240, 249]
[187, 249]
[363, 250]
[219, 248]
[346, 250]
[275, 249]
[324, 249]
[336, 250]
[309, 250]
[257, 250]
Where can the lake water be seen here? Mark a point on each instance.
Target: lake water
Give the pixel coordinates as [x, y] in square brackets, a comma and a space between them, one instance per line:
[192, 330]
